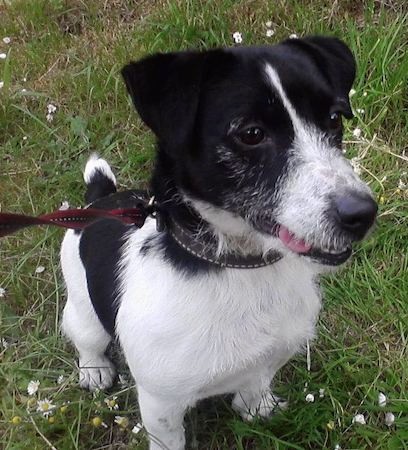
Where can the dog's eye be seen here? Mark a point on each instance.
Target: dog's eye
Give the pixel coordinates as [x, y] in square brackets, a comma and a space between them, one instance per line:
[335, 121]
[251, 136]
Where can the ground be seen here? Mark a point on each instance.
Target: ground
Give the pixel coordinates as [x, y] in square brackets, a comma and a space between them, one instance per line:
[69, 54]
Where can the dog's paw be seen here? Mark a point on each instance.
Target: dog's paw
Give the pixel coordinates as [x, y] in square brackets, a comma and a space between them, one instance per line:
[96, 374]
[267, 406]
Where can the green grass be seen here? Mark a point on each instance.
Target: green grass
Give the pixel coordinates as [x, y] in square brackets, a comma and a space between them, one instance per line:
[70, 53]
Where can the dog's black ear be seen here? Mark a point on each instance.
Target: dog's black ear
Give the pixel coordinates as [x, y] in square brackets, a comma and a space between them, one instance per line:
[165, 91]
[336, 62]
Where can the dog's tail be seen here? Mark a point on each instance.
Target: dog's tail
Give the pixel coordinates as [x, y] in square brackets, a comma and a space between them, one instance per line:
[99, 178]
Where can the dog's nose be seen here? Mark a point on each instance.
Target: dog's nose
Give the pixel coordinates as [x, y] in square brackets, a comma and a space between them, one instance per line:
[355, 213]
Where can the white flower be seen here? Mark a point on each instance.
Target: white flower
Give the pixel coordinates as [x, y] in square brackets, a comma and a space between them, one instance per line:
[1, 84]
[337, 447]
[389, 419]
[352, 92]
[123, 422]
[310, 398]
[51, 108]
[64, 206]
[382, 400]
[269, 33]
[268, 24]
[60, 379]
[40, 269]
[237, 37]
[6, 40]
[25, 138]
[293, 36]
[359, 418]
[2, 292]
[112, 403]
[5, 343]
[357, 132]
[401, 185]
[360, 110]
[45, 407]
[24, 79]
[321, 392]
[365, 94]
[3, 55]
[23, 91]
[32, 387]
[138, 427]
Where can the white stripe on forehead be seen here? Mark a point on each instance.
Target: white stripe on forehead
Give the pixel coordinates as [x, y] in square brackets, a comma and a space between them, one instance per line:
[274, 80]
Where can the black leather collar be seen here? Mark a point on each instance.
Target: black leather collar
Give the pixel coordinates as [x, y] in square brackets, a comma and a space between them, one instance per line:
[203, 246]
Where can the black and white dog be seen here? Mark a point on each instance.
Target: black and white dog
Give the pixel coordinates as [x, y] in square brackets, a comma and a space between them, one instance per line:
[256, 200]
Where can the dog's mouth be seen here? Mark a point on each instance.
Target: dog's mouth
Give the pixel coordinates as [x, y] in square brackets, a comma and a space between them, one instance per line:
[328, 256]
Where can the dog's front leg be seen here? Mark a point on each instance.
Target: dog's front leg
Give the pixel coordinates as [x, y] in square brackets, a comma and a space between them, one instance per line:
[163, 419]
[255, 398]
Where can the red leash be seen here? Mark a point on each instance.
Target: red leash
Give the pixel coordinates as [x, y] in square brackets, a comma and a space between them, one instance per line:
[71, 218]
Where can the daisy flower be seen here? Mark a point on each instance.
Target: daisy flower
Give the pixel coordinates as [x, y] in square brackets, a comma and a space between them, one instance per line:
[111, 403]
[98, 422]
[321, 392]
[269, 33]
[293, 36]
[389, 419]
[45, 407]
[357, 132]
[6, 40]
[64, 205]
[123, 422]
[51, 110]
[237, 37]
[268, 24]
[32, 387]
[352, 92]
[360, 419]
[60, 379]
[3, 55]
[1, 84]
[382, 400]
[310, 398]
[2, 292]
[40, 269]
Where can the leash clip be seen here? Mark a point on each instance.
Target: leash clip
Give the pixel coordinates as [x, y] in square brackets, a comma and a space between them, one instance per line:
[153, 211]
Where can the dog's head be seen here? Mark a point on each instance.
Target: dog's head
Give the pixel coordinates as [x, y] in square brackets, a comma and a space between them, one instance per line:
[254, 136]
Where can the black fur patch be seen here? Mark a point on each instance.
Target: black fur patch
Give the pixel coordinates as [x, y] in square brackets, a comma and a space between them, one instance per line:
[100, 251]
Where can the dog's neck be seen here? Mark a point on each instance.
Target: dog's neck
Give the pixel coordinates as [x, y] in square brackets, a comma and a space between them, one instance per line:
[229, 232]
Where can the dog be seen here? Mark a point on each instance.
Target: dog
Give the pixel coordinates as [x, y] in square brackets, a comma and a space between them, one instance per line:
[255, 199]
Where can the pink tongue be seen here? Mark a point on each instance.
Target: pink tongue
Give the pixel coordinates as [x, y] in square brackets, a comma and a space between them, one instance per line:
[296, 245]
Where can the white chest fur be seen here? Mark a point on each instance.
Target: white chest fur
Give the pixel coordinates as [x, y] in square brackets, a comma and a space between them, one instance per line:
[197, 331]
